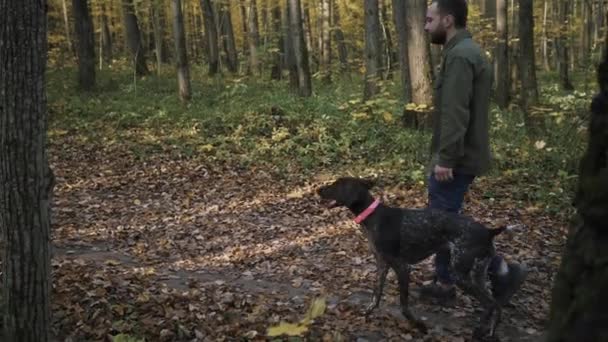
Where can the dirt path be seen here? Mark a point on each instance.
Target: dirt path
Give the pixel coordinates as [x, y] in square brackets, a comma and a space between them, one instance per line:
[179, 250]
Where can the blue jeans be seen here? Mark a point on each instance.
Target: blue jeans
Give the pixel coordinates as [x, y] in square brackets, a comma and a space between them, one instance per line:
[449, 196]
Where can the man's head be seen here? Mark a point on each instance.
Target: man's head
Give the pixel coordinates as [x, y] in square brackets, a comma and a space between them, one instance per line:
[444, 17]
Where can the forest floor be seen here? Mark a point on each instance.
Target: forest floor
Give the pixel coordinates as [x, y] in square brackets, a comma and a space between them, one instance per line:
[170, 249]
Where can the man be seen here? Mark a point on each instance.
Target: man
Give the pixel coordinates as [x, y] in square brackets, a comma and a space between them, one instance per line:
[460, 145]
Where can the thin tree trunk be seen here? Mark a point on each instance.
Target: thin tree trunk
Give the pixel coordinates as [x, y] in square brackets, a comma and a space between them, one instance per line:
[339, 38]
[399, 16]
[290, 56]
[83, 27]
[106, 37]
[579, 297]
[228, 37]
[254, 37]
[372, 49]
[299, 48]
[501, 66]
[308, 35]
[211, 34]
[243, 7]
[183, 72]
[418, 50]
[386, 54]
[66, 23]
[134, 38]
[277, 32]
[26, 179]
[326, 39]
[527, 66]
[159, 50]
[546, 65]
[586, 33]
[562, 47]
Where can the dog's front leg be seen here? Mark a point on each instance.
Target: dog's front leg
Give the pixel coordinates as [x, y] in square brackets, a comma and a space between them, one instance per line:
[381, 272]
[403, 276]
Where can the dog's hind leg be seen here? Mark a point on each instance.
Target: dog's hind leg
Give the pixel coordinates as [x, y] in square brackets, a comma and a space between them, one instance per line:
[470, 277]
[403, 276]
[381, 272]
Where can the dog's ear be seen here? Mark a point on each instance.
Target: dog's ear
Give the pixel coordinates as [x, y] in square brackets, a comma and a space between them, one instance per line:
[368, 183]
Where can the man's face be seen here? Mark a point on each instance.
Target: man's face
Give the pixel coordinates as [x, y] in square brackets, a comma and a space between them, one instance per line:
[435, 25]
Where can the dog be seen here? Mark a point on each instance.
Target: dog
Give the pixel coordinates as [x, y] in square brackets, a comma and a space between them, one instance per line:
[402, 237]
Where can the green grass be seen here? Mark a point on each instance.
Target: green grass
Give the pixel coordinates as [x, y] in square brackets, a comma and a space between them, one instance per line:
[258, 122]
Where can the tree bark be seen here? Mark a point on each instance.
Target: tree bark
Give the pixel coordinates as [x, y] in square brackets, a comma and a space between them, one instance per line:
[276, 70]
[26, 179]
[106, 37]
[66, 23]
[211, 34]
[527, 65]
[157, 26]
[579, 297]
[254, 37]
[399, 16]
[227, 34]
[419, 55]
[85, 40]
[134, 38]
[562, 46]
[339, 38]
[386, 45]
[326, 39]
[545, 46]
[290, 57]
[372, 49]
[501, 58]
[299, 48]
[183, 72]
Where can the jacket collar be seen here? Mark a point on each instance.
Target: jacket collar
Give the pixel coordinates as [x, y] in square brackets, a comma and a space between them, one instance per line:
[458, 37]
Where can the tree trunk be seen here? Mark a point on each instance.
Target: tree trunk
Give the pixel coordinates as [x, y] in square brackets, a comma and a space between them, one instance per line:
[326, 39]
[312, 59]
[254, 37]
[419, 55]
[290, 56]
[527, 66]
[228, 37]
[579, 297]
[489, 10]
[372, 49]
[339, 38]
[183, 73]
[85, 40]
[299, 48]
[399, 15]
[211, 34]
[562, 47]
[586, 33]
[386, 50]
[134, 38]
[501, 58]
[26, 179]
[545, 47]
[159, 46]
[66, 23]
[278, 41]
[106, 37]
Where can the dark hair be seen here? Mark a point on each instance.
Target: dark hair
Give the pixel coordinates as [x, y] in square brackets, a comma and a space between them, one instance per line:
[456, 8]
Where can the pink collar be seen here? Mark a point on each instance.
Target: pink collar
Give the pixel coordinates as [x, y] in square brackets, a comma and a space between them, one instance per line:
[367, 212]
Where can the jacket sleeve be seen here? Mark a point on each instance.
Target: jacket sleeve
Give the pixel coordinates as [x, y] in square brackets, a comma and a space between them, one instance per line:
[457, 90]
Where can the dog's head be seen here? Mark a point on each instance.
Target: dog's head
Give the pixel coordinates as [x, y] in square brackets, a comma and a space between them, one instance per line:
[345, 191]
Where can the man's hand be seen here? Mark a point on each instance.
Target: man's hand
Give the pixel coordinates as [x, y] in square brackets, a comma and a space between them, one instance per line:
[443, 174]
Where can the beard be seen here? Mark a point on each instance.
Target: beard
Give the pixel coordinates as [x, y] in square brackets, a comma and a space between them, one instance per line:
[439, 36]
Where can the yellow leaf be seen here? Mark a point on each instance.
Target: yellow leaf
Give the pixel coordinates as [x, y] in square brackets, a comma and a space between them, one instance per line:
[288, 329]
[137, 202]
[206, 148]
[317, 308]
[388, 117]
